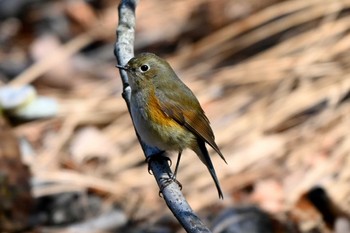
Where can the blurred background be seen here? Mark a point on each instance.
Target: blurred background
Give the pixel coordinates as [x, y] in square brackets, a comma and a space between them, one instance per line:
[272, 77]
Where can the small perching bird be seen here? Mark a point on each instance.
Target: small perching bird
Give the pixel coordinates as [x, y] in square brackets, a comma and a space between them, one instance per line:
[166, 113]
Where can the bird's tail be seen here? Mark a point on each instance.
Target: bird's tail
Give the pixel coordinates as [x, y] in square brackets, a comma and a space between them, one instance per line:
[203, 154]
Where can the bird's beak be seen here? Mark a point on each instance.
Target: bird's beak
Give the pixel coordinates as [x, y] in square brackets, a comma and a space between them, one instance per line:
[122, 67]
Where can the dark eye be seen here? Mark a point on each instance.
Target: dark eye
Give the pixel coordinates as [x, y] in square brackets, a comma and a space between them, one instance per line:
[144, 68]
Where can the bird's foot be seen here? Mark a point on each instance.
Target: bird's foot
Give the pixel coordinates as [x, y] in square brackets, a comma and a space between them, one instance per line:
[157, 156]
[167, 181]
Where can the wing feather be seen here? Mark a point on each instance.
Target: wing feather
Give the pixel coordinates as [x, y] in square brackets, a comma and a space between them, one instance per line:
[189, 113]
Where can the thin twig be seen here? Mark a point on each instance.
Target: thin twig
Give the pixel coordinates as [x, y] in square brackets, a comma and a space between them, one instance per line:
[171, 193]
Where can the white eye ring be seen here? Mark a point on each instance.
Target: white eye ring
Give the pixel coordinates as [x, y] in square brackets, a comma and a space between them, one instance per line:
[144, 68]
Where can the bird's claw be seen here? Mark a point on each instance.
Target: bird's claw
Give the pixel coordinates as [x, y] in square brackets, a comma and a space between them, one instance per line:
[165, 181]
[168, 181]
[155, 157]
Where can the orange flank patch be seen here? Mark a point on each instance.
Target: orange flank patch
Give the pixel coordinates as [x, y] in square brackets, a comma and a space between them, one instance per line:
[157, 115]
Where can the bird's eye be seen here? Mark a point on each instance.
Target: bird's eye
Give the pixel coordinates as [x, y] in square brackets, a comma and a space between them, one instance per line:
[144, 68]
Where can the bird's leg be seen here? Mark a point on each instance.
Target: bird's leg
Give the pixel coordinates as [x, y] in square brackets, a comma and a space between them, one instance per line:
[173, 177]
[177, 164]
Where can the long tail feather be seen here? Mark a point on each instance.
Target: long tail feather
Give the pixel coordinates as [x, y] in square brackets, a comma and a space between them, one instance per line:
[203, 154]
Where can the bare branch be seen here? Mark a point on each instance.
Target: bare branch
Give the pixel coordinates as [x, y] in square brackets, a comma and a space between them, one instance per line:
[124, 51]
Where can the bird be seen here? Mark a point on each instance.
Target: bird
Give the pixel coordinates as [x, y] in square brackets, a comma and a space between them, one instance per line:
[166, 113]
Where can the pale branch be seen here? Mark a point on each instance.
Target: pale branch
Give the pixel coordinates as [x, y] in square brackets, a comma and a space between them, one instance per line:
[124, 51]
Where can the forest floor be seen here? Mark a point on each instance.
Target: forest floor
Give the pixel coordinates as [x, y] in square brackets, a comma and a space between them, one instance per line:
[272, 76]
